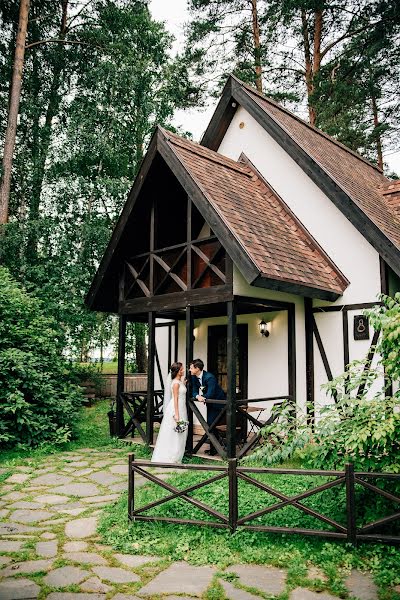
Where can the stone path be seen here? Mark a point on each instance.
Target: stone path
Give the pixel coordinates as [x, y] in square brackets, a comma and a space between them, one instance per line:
[49, 548]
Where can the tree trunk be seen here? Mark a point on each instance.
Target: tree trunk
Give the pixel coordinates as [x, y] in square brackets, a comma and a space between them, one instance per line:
[376, 125]
[42, 149]
[257, 45]
[140, 347]
[309, 75]
[15, 97]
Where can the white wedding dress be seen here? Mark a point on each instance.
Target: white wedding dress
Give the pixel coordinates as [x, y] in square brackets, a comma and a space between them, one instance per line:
[170, 445]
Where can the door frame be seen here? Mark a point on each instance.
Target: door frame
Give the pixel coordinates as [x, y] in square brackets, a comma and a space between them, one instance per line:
[243, 354]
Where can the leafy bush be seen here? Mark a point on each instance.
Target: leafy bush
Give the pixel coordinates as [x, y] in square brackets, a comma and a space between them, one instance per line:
[360, 426]
[38, 402]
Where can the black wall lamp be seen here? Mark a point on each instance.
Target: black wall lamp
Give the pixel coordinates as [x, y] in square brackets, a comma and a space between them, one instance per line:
[263, 329]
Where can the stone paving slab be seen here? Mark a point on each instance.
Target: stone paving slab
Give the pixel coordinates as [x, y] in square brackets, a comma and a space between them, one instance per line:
[5, 560]
[129, 597]
[95, 499]
[18, 589]
[29, 566]
[11, 529]
[24, 504]
[47, 535]
[87, 558]
[51, 479]
[361, 585]
[75, 546]
[47, 549]
[74, 596]
[180, 578]
[50, 499]
[30, 516]
[10, 546]
[104, 478]
[133, 561]
[65, 576]
[95, 585]
[81, 528]
[18, 478]
[115, 575]
[304, 594]
[78, 489]
[233, 593]
[269, 580]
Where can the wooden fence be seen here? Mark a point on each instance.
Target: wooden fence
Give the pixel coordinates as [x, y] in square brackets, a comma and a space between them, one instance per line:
[132, 383]
[349, 479]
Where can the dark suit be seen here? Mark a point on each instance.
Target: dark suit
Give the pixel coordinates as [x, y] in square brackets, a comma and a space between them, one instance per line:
[212, 391]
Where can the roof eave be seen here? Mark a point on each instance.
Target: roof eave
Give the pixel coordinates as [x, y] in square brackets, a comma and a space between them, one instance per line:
[297, 288]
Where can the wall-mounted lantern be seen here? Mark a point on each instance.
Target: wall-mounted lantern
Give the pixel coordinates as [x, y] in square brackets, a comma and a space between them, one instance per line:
[264, 329]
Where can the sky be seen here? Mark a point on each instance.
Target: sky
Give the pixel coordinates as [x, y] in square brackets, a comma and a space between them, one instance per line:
[174, 13]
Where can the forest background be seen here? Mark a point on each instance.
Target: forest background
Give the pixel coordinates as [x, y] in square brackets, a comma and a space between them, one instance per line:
[99, 74]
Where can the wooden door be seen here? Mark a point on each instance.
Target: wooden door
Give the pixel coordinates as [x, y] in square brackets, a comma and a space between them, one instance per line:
[217, 357]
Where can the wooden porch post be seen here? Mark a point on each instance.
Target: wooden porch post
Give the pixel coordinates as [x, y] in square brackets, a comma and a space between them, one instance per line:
[121, 374]
[292, 353]
[231, 384]
[150, 377]
[189, 357]
[308, 320]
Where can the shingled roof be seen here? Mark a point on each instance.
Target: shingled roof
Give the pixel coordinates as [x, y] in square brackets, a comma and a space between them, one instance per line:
[353, 184]
[262, 236]
[280, 248]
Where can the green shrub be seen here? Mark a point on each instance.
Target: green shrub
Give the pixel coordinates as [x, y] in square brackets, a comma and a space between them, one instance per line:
[38, 402]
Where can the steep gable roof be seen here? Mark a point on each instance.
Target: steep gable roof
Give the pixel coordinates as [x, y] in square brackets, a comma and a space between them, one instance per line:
[280, 248]
[350, 181]
[259, 232]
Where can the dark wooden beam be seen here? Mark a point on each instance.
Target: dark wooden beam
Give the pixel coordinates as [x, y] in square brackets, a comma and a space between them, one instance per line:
[189, 246]
[221, 119]
[202, 296]
[345, 328]
[292, 353]
[231, 381]
[293, 287]
[189, 357]
[176, 340]
[121, 374]
[341, 307]
[308, 319]
[150, 377]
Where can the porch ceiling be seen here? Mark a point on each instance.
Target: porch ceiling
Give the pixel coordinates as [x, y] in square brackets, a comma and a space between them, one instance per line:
[245, 306]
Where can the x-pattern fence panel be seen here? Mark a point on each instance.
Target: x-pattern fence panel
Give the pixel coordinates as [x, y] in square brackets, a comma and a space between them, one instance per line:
[347, 479]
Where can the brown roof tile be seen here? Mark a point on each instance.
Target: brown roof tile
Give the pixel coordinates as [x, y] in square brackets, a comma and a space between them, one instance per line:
[267, 231]
[361, 180]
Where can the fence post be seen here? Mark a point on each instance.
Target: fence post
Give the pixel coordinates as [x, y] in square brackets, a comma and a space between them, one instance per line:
[350, 504]
[233, 494]
[131, 486]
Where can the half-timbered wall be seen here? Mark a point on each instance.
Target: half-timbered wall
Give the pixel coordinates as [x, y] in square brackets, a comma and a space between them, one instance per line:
[347, 247]
[354, 256]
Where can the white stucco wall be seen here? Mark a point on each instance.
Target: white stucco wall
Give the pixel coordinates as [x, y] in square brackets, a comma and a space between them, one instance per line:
[350, 251]
[354, 256]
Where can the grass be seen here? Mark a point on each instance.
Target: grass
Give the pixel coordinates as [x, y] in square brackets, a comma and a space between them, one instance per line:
[204, 545]
[107, 368]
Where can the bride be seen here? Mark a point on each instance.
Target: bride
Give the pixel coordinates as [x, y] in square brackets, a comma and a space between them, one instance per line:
[170, 445]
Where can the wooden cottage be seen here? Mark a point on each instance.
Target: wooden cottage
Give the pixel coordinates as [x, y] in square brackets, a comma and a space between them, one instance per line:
[268, 224]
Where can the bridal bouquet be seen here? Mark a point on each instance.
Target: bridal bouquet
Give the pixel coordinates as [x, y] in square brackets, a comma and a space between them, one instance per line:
[181, 426]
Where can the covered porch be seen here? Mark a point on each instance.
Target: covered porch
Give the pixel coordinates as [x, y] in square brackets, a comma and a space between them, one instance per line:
[236, 429]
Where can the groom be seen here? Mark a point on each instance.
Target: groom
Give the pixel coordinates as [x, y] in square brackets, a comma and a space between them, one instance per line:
[210, 389]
